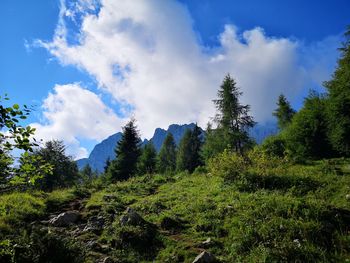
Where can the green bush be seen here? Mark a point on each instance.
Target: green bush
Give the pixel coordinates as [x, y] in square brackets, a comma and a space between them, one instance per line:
[274, 145]
[228, 165]
[16, 208]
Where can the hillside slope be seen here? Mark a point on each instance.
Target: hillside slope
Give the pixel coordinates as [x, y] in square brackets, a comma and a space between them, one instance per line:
[300, 215]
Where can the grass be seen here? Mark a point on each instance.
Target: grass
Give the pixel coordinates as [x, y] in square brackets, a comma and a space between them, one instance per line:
[266, 213]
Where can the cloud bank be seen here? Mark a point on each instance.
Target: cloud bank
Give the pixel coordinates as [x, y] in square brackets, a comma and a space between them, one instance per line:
[71, 113]
[147, 55]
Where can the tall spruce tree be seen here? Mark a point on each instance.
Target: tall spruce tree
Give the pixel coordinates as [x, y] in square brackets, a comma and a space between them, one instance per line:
[284, 112]
[338, 104]
[188, 154]
[148, 160]
[167, 155]
[127, 154]
[232, 117]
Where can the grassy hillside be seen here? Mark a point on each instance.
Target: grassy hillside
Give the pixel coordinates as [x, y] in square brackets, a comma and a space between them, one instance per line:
[266, 212]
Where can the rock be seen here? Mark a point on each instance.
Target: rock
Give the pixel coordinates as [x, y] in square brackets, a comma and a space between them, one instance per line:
[95, 224]
[65, 219]
[131, 218]
[205, 257]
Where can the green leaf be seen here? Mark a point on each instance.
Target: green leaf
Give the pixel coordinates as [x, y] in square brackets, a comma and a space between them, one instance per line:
[15, 106]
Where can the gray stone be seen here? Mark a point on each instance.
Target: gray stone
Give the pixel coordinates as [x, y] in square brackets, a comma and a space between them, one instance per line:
[95, 224]
[204, 257]
[131, 217]
[65, 219]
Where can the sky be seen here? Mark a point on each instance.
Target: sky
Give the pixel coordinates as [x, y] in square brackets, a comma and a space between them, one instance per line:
[88, 66]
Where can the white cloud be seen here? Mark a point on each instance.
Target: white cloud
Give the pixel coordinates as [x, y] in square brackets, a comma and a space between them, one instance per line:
[146, 54]
[71, 113]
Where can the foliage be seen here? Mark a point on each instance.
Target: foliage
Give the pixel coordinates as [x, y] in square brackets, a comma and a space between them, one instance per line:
[338, 103]
[64, 171]
[16, 208]
[148, 159]
[127, 154]
[87, 175]
[167, 155]
[228, 165]
[214, 143]
[284, 112]
[232, 117]
[307, 134]
[15, 136]
[275, 145]
[188, 154]
[32, 169]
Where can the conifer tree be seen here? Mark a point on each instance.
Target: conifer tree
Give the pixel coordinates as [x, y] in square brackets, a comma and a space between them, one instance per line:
[188, 155]
[65, 171]
[338, 104]
[87, 173]
[107, 164]
[284, 112]
[167, 155]
[127, 154]
[148, 160]
[232, 117]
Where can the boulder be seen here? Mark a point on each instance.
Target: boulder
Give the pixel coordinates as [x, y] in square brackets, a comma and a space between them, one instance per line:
[205, 257]
[65, 219]
[132, 218]
[95, 224]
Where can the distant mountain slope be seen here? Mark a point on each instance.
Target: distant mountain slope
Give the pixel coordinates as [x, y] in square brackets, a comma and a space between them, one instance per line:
[101, 153]
[262, 130]
[105, 149]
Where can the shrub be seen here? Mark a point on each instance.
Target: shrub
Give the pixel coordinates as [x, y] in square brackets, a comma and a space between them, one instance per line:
[228, 165]
[274, 145]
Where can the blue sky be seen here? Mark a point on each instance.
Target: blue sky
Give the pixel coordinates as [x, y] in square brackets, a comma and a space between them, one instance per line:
[88, 66]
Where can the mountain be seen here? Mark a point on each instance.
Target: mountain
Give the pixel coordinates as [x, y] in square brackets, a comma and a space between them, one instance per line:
[105, 149]
[262, 130]
[101, 152]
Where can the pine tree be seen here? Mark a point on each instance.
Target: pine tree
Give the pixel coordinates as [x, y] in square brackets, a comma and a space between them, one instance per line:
[188, 155]
[232, 117]
[183, 157]
[86, 173]
[167, 155]
[107, 164]
[338, 104]
[127, 154]
[148, 160]
[65, 171]
[284, 112]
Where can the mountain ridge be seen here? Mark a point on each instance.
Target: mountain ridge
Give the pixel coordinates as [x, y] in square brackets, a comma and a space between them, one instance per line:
[105, 149]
